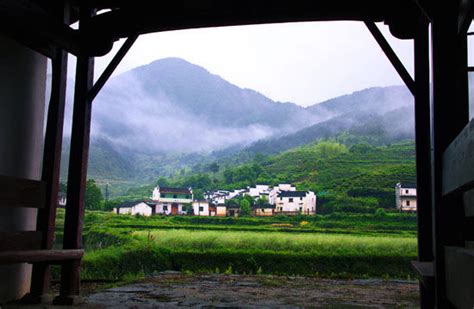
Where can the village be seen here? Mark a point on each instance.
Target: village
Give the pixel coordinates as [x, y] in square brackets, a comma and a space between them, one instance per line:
[261, 200]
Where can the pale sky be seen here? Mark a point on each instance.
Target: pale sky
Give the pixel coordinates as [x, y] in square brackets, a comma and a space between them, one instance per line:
[303, 63]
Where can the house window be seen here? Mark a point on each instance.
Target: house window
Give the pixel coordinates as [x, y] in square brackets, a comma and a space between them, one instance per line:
[290, 200]
[406, 191]
[301, 198]
[301, 208]
[165, 207]
[408, 203]
[201, 208]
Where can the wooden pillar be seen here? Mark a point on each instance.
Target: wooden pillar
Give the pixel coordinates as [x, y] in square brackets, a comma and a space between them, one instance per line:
[51, 163]
[423, 153]
[81, 125]
[450, 115]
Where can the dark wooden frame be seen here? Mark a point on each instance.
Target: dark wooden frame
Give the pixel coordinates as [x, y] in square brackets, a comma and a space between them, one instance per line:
[441, 217]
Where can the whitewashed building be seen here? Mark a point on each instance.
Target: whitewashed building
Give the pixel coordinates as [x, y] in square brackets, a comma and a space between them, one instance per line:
[277, 189]
[201, 208]
[135, 208]
[405, 196]
[171, 201]
[295, 202]
[221, 210]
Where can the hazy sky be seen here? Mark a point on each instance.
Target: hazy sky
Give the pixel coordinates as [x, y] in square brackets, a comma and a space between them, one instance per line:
[304, 63]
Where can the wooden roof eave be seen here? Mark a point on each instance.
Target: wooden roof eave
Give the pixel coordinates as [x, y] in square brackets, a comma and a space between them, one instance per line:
[143, 16]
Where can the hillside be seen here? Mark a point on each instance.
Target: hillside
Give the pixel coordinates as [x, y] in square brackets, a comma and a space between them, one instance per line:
[171, 105]
[170, 116]
[359, 178]
[378, 115]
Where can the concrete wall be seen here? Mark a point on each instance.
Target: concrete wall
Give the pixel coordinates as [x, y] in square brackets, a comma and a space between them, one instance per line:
[22, 91]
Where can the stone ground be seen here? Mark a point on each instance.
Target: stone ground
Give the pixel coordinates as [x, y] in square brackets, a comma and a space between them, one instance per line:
[174, 289]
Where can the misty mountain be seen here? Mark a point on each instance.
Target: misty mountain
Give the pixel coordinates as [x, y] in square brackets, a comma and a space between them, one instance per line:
[171, 105]
[378, 115]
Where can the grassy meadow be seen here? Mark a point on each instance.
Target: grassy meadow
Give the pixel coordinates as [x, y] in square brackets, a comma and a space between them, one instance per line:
[120, 247]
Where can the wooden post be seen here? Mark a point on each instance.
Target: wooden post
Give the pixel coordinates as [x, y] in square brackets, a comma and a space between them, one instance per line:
[423, 153]
[81, 125]
[51, 162]
[450, 115]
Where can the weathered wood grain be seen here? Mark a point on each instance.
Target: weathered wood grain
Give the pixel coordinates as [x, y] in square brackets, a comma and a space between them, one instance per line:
[18, 192]
[460, 276]
[28, 240]
[458, 162]
[40, 256]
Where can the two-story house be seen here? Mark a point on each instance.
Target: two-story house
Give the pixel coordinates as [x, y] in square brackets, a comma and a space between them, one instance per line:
[295, 202]
[170, 201]
[405, 196]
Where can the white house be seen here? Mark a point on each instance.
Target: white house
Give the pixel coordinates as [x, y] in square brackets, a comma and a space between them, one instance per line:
[201, 208]
[405, 196]
[221, 210]
[277, 189]
[296, 202]
[170, 201]
[62, 199]
[135, 208]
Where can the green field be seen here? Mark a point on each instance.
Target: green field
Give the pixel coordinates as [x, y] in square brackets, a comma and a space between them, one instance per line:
[332, 246]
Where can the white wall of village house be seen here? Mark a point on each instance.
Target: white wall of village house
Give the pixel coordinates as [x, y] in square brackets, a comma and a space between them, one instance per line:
[405, 198]
[166, 208]
[306, 205]
[264, 212]
[221, 211]
[141, 209]
[201, 208]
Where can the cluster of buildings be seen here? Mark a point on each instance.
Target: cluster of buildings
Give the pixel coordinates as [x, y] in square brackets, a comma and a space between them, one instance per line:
[281, 199]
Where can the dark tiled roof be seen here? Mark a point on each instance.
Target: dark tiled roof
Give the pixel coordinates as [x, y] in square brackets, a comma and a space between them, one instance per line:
[292, 194]
[270, 206]
[174, 190]
[130, 204]
[234, 206]
[407, 185]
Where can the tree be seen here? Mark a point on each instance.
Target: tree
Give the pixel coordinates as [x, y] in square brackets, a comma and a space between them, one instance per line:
[244, 207]
[214, 168]
[94, 198]
[262, 201]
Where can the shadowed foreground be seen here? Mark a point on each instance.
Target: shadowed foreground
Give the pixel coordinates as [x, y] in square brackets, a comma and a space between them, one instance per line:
[173, 289]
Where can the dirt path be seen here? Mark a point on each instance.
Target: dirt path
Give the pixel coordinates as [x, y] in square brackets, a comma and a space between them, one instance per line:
[171, 290]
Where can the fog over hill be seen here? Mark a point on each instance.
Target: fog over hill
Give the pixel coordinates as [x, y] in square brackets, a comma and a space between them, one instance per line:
[158, 117]
[174, 106]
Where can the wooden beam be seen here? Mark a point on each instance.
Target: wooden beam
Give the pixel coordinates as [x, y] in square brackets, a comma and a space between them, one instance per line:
[425, 272]
[465, 16]
[33, 26]
[460, 276]
[469, 203]
[78, 159]
[28, 240]
[111, 67]
[423, 162]
[18, 192]
[392, 56]
[166, 16]
[458, 162]
[40, 256]
[450, 111]
[40, 281]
